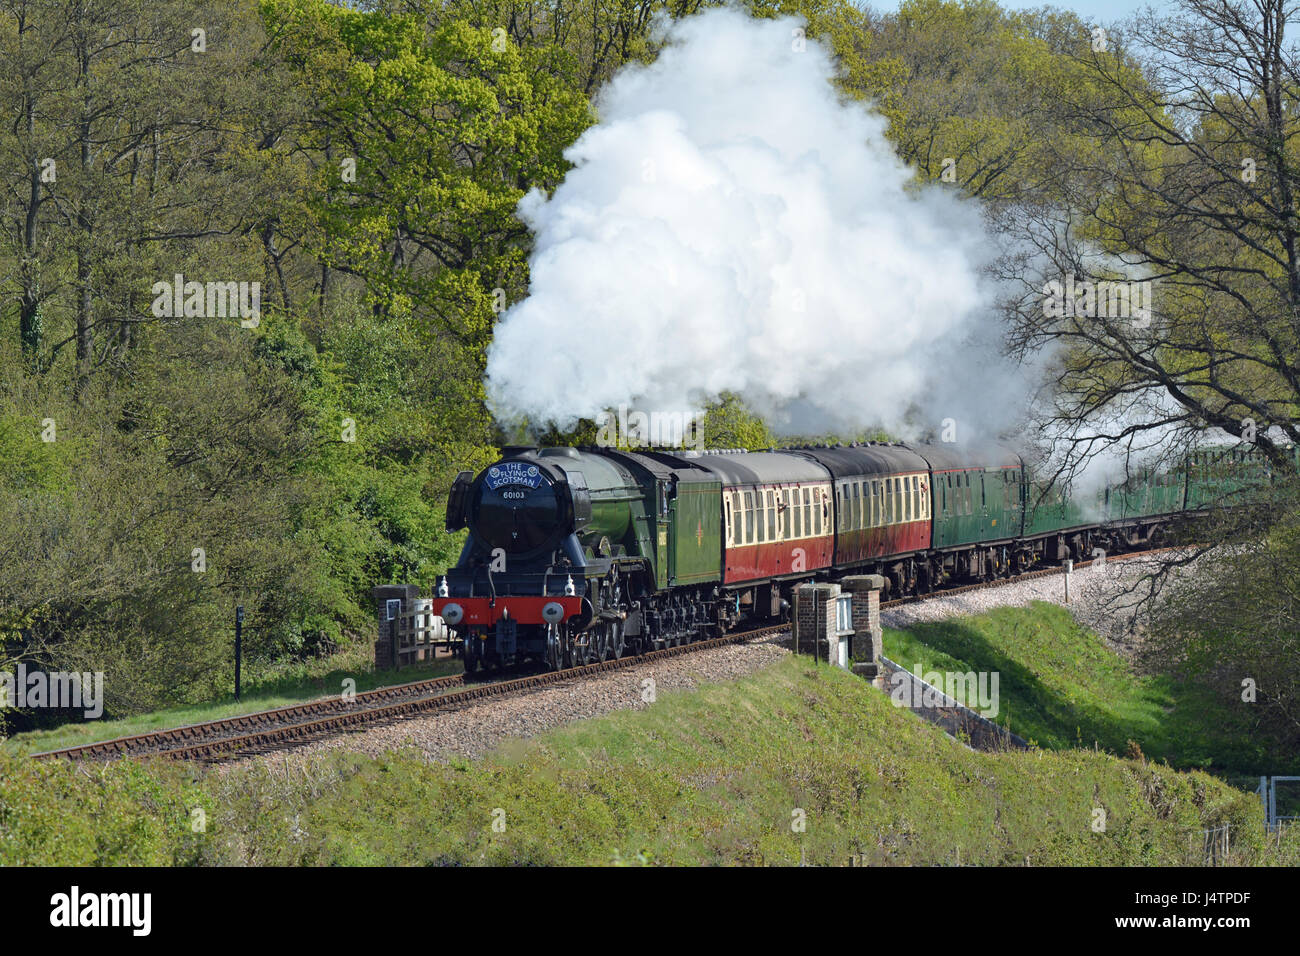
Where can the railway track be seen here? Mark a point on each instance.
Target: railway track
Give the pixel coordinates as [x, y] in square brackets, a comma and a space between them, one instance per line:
[251, 734]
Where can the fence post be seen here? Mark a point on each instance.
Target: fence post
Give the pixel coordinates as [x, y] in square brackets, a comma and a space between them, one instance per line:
[239, 647]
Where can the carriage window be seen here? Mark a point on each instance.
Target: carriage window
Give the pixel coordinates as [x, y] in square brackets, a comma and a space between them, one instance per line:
[819, 513]
[749, 518]
[771, 518]
[796, 516]
[726, 507]
[807, 507]
[855, 511]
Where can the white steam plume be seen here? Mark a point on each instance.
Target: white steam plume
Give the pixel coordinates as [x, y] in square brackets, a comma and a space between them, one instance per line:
[733, 224]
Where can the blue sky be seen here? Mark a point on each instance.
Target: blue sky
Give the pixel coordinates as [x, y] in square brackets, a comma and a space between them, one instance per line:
[1098, 11]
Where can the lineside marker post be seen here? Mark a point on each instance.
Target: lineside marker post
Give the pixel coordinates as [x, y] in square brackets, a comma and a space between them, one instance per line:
[239, 646]
[1069, 569]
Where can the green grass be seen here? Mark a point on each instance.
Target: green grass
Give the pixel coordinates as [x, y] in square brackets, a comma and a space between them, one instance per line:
[288, 685]
[1061, 686]
[712, 776]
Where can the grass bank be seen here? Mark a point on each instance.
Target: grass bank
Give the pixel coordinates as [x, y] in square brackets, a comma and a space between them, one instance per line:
[799, 762]
[1062, 687]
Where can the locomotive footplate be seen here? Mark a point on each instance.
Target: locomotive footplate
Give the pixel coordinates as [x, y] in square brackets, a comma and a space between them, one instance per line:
[484, 612]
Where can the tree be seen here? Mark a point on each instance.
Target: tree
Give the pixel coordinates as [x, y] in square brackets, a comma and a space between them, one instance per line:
[1190, 188]
[1163, 281]
[966, 89]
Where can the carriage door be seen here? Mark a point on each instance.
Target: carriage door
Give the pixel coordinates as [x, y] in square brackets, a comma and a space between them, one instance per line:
[987, 514]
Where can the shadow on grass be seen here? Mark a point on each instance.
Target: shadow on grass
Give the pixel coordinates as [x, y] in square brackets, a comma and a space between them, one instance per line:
[1060, 687]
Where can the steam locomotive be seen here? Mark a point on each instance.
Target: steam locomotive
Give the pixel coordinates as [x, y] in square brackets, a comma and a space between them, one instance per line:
[577, 555]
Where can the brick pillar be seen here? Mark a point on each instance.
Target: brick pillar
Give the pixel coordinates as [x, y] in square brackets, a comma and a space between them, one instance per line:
[385, 653]
[867, 651]
[814, 620]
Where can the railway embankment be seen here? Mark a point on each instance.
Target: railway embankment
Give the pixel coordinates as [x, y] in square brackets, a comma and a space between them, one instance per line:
[793, 762]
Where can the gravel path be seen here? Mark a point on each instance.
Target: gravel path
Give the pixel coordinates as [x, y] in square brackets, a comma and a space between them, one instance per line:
[1102, 598]
[478, 728]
